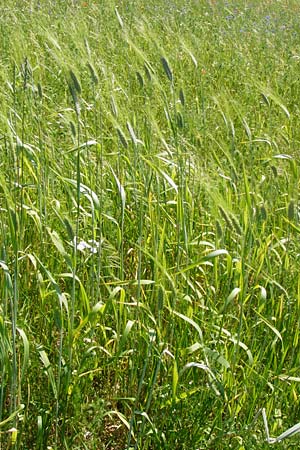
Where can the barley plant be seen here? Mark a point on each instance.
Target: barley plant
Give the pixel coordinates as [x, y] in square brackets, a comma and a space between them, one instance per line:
[150, 221]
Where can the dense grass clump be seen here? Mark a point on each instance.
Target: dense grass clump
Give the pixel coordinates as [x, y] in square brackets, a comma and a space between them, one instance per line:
[149, 214]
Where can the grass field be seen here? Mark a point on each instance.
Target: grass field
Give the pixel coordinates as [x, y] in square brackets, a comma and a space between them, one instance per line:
[149, 214]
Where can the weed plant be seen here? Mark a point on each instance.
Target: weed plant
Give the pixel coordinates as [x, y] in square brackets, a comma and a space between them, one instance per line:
[149, 214]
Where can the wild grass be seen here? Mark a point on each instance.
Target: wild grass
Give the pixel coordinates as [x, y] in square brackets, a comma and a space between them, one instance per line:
[149, 213]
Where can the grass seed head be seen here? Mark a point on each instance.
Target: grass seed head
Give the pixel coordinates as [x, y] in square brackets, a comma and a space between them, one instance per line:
[291, 210]
[167, 68]
[181, 97]
[75, 81]
[122, 138]
[93, 73]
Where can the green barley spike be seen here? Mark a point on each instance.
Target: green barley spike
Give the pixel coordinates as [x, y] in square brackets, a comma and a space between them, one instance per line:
[291, 210]
[263, 212]
[122, 138]
[40, 91]
[167, 69]
[75, 82]
[147, 72]
[75, 98]
[69, 229]
[179, 120]
[87, 47]
[132, 133]
[274, 170]
[93, 74]
[219, 230]
[236, 224]
[226, 217]
[181, 97]
[113, 105]
[265, 99]
[140, 79]
[73, 129]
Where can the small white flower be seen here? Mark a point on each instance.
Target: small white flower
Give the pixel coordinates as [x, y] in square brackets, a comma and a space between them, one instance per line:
[92, 245]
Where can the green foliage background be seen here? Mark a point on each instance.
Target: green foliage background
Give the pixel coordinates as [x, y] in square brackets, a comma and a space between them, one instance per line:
[149, 213]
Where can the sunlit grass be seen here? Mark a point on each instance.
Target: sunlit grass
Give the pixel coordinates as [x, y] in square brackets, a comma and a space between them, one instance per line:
[149, 221]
